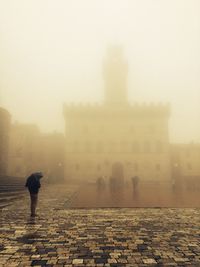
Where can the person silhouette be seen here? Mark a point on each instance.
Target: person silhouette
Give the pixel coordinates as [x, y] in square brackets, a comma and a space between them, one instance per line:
[33, 185]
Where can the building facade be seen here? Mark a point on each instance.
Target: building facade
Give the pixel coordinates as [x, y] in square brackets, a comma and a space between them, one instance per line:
[24, 149]
[132, 136]
[52, 156]
[185, 165]
[31, 151]
[5, 122]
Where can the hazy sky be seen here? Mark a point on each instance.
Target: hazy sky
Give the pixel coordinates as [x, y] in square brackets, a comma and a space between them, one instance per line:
[51, 52]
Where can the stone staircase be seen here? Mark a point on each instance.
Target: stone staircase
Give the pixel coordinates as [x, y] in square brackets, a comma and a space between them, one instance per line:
[11, 188]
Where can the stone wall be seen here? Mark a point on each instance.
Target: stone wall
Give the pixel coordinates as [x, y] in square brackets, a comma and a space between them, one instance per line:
[5, 121]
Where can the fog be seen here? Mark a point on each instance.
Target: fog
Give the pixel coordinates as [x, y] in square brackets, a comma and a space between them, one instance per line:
[52, 52]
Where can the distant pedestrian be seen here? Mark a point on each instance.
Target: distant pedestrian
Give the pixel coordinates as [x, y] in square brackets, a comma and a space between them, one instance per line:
[135, 183]
[33, 184]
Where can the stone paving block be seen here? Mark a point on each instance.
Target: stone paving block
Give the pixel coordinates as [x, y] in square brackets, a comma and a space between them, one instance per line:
[149, 261]
[98, 237]
[77, 261]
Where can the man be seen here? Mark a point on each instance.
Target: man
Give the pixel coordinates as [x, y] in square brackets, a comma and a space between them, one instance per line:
[33, 184]
[135, 183]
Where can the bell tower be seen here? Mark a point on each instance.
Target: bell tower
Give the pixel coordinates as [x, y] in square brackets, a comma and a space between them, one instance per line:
[115, 71]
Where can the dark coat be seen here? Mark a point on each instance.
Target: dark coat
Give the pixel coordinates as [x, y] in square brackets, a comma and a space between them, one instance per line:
[33, 184]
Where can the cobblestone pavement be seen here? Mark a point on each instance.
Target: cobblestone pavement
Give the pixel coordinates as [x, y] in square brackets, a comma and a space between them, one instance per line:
[97, 237]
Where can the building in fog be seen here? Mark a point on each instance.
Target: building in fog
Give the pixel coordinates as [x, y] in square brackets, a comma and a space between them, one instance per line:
[52, 156]
[132, 136]
[185, 165]
[30, 151]
[24, 149]
[5, 122]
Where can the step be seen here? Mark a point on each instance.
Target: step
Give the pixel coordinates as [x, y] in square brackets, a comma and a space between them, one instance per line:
[8, 197]
[13, 193]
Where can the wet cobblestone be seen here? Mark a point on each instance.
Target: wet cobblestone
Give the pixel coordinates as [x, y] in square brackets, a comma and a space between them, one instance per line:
[97, 237]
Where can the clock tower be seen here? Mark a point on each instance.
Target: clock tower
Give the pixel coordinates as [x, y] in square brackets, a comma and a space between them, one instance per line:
[115, 72]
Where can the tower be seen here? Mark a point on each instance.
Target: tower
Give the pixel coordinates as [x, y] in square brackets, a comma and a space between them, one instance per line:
[115, 71]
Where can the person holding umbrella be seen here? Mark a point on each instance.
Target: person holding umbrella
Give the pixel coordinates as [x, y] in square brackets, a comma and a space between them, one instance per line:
[33, 184]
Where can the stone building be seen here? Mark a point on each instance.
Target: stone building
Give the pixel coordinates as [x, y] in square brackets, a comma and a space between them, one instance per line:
[5, 122]
[52, 156]
[30, 151]
[185, 165]
[24, 149]
[116, 132]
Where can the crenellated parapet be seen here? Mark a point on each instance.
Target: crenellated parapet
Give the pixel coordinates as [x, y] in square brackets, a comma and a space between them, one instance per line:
[129, 110]
[161, 109]
[82, 109]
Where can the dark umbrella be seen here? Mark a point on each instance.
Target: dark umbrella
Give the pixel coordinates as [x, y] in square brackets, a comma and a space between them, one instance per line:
[38, 175]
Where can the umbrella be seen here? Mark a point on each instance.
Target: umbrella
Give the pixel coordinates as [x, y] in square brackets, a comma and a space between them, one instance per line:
[38, 174]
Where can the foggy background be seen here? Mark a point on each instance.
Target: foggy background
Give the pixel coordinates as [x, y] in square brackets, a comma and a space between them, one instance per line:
[51, 52]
